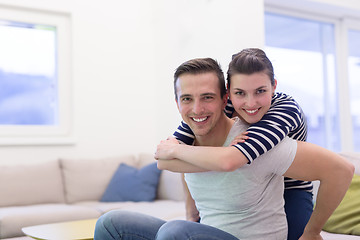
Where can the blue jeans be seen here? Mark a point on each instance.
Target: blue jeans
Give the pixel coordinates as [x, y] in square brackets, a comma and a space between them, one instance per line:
[119, 224]
[298, 209]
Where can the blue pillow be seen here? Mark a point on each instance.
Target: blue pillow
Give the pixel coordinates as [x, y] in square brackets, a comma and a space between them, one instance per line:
[132, 184]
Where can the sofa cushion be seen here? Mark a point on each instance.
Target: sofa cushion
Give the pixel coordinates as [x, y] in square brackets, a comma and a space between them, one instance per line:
[132, 184]
[31, 184]
[12, 219]
[87, 179]
[170, 184]
[346, 218]
[164, 209]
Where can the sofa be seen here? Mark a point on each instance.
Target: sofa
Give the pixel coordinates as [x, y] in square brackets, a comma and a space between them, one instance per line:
[74, 189]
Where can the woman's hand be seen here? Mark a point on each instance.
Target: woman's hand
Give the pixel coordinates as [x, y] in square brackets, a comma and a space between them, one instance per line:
[165, 149]
[306, 236]
[240, 138]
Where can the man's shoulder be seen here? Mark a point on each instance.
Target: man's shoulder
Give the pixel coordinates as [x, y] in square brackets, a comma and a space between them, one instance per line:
[238, 127]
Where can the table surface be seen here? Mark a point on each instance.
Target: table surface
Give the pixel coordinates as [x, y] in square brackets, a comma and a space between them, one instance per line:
[74, 230]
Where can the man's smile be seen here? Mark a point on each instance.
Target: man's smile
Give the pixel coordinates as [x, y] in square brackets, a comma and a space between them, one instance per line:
[199, 119]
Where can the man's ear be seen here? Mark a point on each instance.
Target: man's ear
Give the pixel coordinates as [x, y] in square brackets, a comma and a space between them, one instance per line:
[225, 98]
[177, 103]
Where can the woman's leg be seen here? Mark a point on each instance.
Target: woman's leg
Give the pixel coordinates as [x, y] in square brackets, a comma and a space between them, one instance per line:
[185, 230]
[119, 224]
[298, 209]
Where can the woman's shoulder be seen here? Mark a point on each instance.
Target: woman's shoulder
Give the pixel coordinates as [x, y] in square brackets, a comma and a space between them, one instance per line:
[280, 98]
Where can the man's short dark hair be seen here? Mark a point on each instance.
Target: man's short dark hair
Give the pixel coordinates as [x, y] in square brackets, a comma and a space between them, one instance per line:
[198, 66]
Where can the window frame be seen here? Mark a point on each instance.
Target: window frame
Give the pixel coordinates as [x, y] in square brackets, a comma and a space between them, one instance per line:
[341, 25]
[62, 133]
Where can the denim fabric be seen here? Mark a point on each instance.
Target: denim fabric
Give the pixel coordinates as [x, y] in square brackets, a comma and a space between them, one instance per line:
[298, 209]
[119, 224]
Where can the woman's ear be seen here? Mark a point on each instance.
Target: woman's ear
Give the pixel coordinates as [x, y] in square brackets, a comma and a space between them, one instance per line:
[274, 87]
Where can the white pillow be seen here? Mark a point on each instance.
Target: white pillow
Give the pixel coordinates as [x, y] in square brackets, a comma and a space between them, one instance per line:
[87, 179]
[31, 184]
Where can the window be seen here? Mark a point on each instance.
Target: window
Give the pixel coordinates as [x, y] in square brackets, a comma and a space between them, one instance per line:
[303, 55]
[354, 83]
[28, 79]
[35, 77]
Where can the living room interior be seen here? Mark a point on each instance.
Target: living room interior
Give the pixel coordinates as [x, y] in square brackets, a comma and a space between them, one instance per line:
[117, 101]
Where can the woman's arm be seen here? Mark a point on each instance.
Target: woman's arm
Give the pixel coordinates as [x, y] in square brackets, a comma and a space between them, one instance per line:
[284, 118]
[184, 134]
[335, 174]
[176, 165]
[223, 159]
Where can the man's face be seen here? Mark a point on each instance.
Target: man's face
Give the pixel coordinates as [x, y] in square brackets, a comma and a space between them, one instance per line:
[251, 95]
[199, 102]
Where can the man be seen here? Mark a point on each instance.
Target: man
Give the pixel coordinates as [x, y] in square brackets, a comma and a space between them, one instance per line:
[235, 200]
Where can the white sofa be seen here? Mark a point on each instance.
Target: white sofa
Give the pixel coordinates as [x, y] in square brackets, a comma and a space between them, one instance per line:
[71, 189]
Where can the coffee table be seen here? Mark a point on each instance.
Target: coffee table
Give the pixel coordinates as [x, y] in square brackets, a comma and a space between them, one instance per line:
[79, 230]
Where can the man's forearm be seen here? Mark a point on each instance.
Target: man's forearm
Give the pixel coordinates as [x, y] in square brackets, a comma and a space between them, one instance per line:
[330, 193]
[334, 173]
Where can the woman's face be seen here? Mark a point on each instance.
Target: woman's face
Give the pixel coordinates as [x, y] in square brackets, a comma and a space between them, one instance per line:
[251, 95]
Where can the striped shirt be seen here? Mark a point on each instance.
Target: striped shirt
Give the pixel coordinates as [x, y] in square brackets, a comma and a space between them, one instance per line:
[284, 118]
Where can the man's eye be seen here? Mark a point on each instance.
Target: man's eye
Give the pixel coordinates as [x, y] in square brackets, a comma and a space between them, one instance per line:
[185, 99]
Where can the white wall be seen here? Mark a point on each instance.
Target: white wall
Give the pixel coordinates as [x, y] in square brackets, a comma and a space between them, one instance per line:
[124, 56]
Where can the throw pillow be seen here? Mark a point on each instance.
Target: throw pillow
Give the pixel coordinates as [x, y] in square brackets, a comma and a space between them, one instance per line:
[132, 184]
[346, 217]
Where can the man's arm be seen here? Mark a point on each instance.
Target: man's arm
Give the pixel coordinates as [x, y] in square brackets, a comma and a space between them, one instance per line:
[192, 214]
[334, 173]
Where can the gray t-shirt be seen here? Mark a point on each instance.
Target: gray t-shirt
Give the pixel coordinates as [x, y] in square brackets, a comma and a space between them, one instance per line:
[248, 202]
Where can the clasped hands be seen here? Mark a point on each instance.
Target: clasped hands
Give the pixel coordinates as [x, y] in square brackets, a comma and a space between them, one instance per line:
[165, 149]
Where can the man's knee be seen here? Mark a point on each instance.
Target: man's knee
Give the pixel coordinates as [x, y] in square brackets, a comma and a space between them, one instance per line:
[173, 230]
[105, 229]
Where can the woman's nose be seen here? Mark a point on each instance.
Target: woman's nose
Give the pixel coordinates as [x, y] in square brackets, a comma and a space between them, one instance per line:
[250, 101]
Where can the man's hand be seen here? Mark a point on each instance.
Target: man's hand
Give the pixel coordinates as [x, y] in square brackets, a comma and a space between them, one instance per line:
[165, 149]
[240, 138]
[192, 214]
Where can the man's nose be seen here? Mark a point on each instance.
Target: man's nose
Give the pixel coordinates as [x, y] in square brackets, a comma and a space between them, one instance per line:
[198, 107]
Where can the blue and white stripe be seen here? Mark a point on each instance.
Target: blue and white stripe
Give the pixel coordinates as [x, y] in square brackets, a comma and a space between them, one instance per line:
[284, 118]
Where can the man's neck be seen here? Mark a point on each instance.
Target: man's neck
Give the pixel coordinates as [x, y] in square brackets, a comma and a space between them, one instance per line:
[218, 135]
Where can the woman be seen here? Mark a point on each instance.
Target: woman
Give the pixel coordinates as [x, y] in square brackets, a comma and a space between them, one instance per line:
[272, 117]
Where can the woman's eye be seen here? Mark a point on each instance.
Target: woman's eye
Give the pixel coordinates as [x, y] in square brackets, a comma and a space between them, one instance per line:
[239, 93]
[261, 91]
